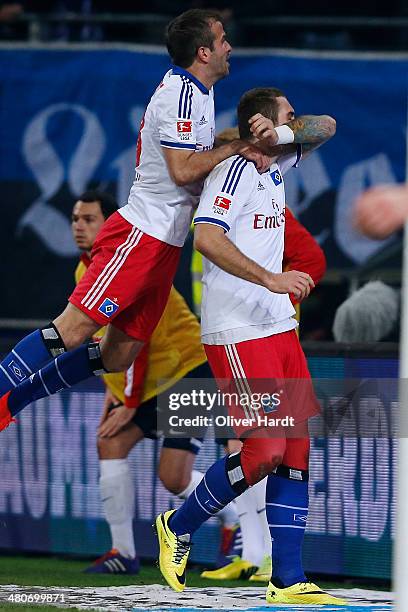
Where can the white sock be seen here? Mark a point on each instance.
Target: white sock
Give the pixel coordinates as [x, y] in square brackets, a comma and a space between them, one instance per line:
[252, 533]
[228, 516]
[260, 495]
[117, 493]
[196, 478]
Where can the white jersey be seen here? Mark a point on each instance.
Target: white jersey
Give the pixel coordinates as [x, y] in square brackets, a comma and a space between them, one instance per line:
[180, 115]
[251, 208]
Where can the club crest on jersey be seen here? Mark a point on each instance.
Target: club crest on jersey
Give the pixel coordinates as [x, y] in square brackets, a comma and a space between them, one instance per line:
[221, 205]
[276, 177]
[108, 307]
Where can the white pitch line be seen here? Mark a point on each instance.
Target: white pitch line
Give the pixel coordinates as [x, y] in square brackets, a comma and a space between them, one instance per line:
[158, 598]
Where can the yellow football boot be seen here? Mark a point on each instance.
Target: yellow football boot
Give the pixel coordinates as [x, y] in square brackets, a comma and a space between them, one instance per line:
[173, 554]
[238, 569]
[264, 571]
[302, 593]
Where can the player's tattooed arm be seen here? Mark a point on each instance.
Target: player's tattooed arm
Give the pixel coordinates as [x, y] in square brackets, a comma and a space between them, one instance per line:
[311, 131]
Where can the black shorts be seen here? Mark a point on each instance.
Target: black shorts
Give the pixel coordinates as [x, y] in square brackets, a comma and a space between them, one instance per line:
[146, 418]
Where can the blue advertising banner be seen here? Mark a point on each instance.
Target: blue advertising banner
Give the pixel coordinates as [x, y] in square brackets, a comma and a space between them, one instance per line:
[69, 121]
[49, 494]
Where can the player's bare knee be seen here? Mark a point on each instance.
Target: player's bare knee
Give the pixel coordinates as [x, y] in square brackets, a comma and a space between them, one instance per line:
[74, 326]
[260, 457]
[175, 483]
[104, 447]
[110, 448]
[269, 463]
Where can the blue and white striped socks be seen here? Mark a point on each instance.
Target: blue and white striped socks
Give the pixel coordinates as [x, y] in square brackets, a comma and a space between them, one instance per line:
[213, 493]
[27, 357]
[63, 372]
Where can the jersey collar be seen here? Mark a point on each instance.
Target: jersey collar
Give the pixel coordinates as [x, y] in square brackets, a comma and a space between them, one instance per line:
[186, 73]
[86, 260]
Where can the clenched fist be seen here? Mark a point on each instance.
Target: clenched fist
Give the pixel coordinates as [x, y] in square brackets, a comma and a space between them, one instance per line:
[298, 283]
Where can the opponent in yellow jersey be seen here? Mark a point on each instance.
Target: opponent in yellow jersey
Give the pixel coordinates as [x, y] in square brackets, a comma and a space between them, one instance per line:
[174, 351]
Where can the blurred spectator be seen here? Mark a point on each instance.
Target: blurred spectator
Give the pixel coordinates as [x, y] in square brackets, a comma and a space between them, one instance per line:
[368, 315]
[10, 29]
[8, 12]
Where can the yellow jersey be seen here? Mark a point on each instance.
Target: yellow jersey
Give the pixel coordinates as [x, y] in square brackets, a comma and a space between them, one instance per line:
[174, 350]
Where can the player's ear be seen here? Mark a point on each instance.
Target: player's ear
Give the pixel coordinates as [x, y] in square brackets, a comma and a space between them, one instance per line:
[204, 54]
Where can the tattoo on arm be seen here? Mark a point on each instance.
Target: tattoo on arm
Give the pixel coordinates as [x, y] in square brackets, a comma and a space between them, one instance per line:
[312, 131]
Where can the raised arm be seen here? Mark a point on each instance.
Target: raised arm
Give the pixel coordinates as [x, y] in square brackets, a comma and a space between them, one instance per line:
[311, 131]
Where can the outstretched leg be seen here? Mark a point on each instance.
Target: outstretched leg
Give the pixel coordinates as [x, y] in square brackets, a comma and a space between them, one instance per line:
[66, 332]
[69, 369]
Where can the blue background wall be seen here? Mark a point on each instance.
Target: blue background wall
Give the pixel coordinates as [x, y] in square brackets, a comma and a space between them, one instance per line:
[69, 120]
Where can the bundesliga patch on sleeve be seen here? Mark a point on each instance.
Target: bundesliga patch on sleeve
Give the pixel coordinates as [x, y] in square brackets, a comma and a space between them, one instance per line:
[185, 129]
[221, 205]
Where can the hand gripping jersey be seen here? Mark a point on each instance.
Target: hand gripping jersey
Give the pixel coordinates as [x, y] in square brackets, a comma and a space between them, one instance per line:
[251, 208]
[180, 115]
[173, 351]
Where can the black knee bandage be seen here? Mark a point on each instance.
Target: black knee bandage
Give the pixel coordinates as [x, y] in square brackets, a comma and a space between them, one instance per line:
[235, 473]
[95, 359]
[52, 340]
[292, 473]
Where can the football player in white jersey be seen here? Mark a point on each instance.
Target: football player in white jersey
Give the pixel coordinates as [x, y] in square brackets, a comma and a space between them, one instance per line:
[251, 343]
[135, 256]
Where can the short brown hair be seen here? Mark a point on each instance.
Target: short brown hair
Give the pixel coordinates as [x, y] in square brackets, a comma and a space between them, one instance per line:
[259, 100]
[188, 32]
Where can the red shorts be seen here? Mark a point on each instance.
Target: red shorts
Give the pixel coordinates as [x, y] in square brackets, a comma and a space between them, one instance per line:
[273, 373]
[129, 279]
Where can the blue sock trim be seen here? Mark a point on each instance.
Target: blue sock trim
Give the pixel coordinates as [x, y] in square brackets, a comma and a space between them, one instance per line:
[65, 371]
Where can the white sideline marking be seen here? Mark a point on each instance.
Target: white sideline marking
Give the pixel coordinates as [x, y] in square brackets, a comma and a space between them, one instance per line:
[160, 598]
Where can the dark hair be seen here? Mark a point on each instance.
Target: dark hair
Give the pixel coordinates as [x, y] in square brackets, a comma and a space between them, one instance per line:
[107, 202]
[188, 32]
[259, 100]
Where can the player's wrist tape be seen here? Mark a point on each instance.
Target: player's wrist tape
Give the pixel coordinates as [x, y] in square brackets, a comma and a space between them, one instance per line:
[285, 134]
